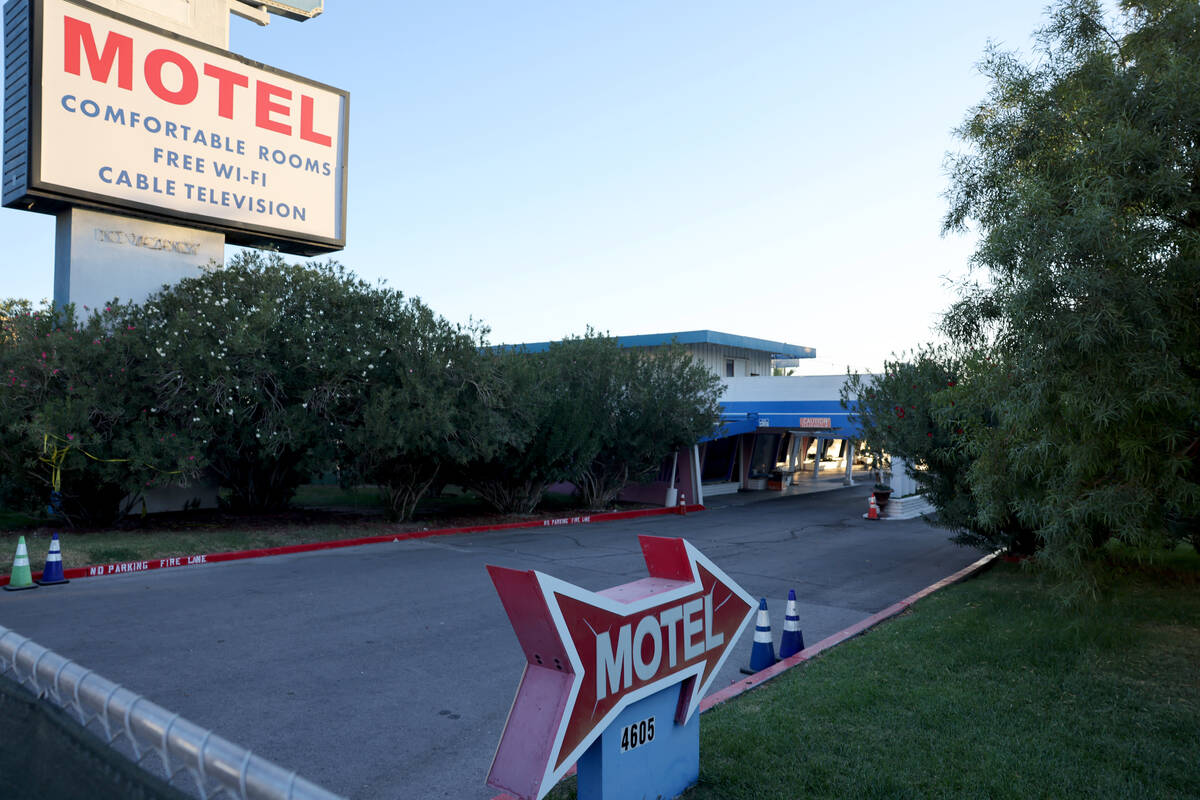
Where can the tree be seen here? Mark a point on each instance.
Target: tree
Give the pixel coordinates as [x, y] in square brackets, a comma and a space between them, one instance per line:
[1084, 184]
[927, 409]
[78, 422]
[553, 402]
[590, 412]
[662, 400]
[429, 405]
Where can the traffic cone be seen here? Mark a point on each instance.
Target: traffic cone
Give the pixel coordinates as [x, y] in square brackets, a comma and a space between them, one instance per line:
[872, 509]
[682, 503]
[53, 573]
[793, 638]
[762, 654]
[20, 578]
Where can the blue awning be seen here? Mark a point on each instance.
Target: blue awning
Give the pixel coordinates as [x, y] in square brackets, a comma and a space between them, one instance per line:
[813, 418]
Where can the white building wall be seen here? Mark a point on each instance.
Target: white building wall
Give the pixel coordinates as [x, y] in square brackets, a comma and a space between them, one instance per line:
[795, 388]
[748, 362]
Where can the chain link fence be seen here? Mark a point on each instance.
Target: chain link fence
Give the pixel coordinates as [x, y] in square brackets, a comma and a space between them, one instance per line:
[55, 757]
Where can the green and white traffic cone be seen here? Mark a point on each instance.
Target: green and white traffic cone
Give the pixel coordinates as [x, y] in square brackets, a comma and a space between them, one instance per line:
[21, 577]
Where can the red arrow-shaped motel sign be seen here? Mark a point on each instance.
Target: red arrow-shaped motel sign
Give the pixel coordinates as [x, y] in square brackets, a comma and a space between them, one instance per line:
[591, 654]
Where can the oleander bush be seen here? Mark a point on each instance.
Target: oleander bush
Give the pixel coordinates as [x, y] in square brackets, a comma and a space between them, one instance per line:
[79, 427]
[263, 373]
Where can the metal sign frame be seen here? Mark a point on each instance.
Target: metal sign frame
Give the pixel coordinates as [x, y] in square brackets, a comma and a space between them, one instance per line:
[297, 9]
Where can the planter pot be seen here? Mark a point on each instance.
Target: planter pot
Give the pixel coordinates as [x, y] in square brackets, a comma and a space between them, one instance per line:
[881, 499]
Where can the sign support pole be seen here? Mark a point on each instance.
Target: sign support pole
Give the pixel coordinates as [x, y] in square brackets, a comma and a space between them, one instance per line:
[99, 256]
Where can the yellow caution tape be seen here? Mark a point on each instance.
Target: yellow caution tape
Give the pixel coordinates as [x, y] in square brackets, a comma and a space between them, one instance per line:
[58, 454]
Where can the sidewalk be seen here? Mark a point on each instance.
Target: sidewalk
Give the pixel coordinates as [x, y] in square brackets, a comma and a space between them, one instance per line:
[824, 482]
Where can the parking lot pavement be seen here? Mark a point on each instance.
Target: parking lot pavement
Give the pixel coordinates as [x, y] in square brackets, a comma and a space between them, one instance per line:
[387, 670]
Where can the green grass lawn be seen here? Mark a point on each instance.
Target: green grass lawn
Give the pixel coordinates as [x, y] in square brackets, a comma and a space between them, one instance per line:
[987, 689]
[321, 495]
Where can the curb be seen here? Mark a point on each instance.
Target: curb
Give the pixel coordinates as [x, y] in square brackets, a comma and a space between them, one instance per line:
[762, 676]
[127, 567]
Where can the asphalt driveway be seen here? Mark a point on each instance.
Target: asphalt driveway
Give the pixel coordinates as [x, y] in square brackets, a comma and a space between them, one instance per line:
[387, 670]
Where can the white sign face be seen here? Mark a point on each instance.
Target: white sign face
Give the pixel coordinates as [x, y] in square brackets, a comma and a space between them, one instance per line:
[138, 119]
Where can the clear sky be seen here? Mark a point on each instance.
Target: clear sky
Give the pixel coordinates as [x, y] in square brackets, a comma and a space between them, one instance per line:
[771, 169]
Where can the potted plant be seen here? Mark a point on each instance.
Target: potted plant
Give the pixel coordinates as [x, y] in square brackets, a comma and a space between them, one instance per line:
[882, 492]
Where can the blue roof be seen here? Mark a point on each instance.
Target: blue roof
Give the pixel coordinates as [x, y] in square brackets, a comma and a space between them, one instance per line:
[776, 349]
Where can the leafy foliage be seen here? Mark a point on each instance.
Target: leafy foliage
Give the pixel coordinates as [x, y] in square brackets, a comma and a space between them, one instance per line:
[266, 373]
[1084, 182]
[428, 407]
[263, 357]
[592, 413]
[659, 401]
[927, 409]
[76, 399]
[552, 401]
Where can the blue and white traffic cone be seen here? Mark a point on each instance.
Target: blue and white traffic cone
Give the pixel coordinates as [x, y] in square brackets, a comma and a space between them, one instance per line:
[53, 573]
[793, 638]
[762, 654]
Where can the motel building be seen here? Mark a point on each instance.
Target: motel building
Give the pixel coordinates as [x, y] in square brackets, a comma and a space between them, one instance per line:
[781, 434]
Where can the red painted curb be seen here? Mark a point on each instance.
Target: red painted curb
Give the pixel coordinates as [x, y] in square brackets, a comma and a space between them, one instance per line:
[124, 568]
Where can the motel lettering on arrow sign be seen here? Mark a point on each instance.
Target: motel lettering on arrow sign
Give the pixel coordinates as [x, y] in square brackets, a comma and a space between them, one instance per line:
[592, 654]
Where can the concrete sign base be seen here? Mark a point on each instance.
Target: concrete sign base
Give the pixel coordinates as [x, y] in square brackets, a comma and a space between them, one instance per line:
[643, 753]
[100, 256]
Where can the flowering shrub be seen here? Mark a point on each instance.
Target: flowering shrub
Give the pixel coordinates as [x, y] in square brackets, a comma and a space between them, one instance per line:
[263, 358]
[293, 370]
[265, 373]
[77, 414]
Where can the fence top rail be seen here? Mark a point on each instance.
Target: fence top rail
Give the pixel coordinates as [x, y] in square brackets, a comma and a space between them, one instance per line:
[215, 764]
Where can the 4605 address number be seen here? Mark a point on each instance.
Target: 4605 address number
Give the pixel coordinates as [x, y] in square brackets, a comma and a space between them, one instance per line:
[637, 734]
